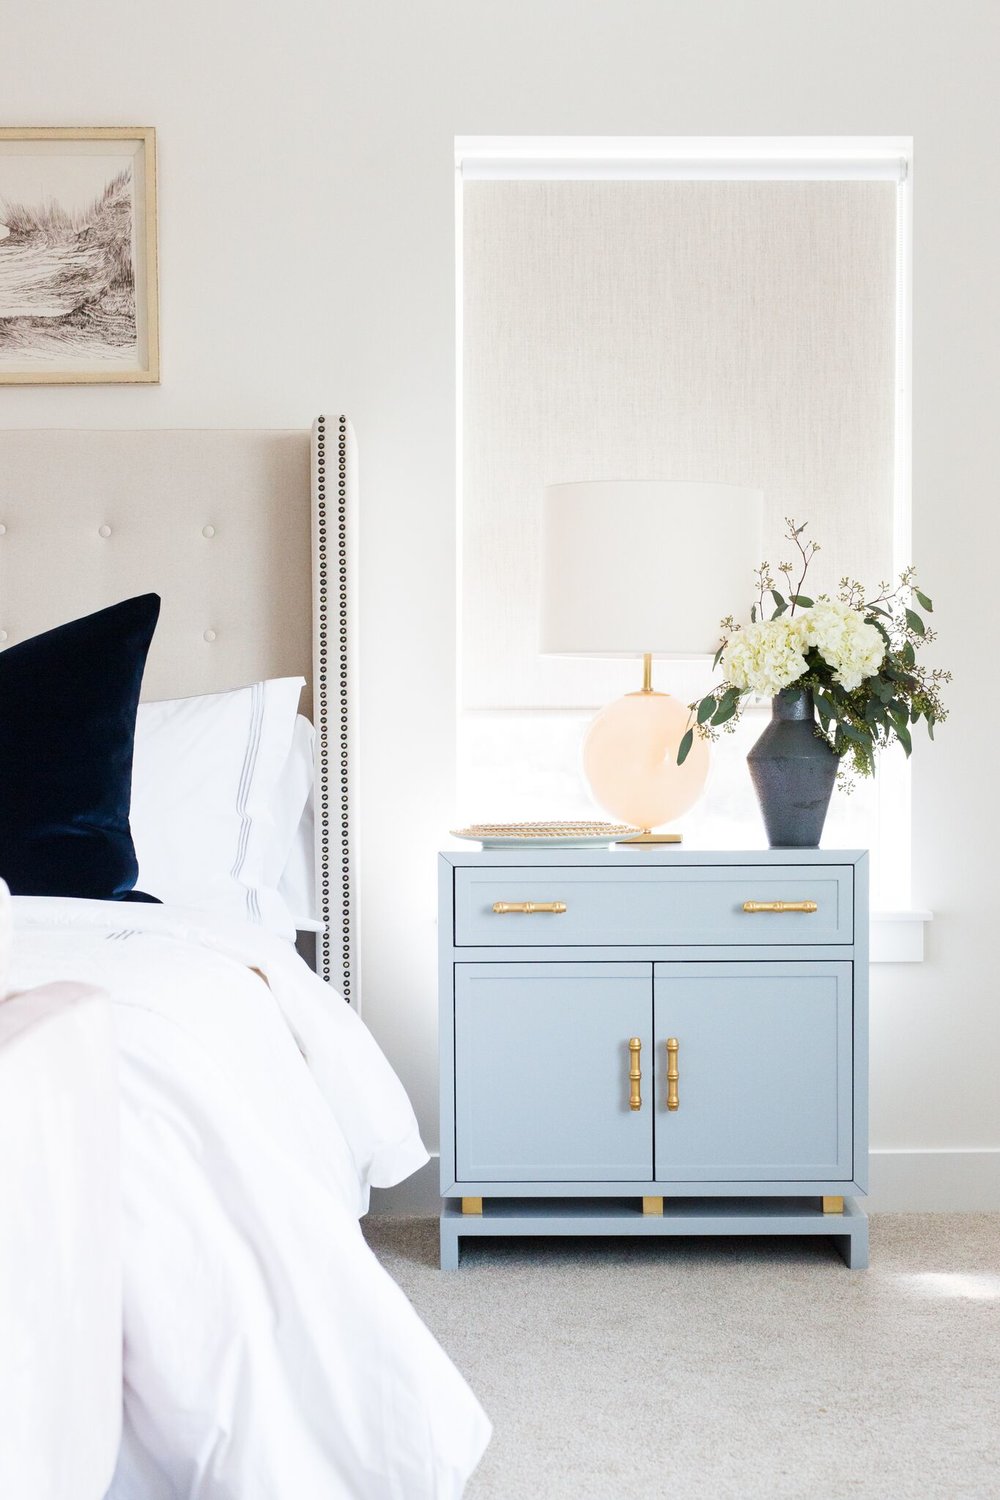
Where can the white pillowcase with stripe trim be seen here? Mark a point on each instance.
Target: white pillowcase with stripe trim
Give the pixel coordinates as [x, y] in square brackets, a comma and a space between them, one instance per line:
[205, 777]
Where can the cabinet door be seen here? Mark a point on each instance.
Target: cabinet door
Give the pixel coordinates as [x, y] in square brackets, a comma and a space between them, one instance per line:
[765, 1060]
[542, 1072]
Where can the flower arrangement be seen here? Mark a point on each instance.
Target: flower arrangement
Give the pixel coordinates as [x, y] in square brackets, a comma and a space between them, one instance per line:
[857, 656]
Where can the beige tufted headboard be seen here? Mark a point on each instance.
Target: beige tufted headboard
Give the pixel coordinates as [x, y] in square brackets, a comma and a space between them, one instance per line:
[247, 536]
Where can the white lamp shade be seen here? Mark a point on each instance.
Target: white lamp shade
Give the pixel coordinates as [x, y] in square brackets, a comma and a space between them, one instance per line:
[637, 566]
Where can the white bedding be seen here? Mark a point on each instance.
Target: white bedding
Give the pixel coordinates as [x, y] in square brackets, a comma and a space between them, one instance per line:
[267, 1354]
[60, 1245]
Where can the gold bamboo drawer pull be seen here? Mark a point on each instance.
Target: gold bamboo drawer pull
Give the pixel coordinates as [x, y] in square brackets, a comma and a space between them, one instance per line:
[634, 1073]
[528, 908]
[780, 906]
[672, 1073]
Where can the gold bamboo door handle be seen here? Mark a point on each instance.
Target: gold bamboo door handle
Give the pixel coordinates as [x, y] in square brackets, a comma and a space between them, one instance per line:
[673, 1073]
[780, 906]
[528, 908]
[634, 1073]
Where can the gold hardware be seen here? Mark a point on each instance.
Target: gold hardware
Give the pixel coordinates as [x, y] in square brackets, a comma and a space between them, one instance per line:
[529, 907]
[472, 1205]
[780, 906]
[833, 1205]
[652, 1205]
[634, 1073]
[672, 1073]
[647, 672]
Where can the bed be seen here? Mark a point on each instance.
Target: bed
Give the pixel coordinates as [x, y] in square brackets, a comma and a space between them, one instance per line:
[194, 1115]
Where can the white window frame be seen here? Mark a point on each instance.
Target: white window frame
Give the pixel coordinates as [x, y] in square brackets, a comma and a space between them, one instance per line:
[898, 934]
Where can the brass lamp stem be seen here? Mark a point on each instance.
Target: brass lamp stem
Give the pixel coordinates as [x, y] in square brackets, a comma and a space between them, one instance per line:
[644, 836]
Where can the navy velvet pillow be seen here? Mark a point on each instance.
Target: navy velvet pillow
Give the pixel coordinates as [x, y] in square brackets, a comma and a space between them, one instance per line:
[68, 702]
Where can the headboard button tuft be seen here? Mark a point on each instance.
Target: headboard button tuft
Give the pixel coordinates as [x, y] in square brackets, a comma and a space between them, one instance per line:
[104, 530]
[210, 635]
[208, 531]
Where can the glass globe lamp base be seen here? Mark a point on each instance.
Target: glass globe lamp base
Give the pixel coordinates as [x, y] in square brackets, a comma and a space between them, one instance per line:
[630, 762]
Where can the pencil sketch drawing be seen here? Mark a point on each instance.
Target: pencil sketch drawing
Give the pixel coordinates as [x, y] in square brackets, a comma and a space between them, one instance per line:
[68, 277]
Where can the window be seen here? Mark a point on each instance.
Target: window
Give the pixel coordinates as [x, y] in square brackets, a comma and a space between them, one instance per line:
[668, 309]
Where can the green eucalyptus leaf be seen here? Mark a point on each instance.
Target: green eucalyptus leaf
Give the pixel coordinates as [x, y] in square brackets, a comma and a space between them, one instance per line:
[909, 655]
[802, 600]
[753, 614]
[923, 599]
[684, 748]
[915, 622]
[903, 736]
[725, 711]
[706, 708]
[779, 599]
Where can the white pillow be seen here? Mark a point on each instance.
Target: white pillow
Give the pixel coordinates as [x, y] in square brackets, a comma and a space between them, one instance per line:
[204, 794]
[292, 864]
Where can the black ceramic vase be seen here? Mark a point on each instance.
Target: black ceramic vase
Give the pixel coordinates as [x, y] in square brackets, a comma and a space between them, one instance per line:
[793, 772]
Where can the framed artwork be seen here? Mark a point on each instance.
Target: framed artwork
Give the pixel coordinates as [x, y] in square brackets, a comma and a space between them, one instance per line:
[78, 293]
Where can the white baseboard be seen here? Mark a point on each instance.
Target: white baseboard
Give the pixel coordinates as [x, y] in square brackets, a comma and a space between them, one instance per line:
[901, 1182]
[934, 1182]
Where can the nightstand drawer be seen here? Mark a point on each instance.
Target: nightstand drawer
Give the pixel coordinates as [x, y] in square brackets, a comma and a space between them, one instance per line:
[761, 905]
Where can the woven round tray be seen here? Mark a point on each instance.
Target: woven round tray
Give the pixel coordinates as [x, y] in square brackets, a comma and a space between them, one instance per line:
[577, 835]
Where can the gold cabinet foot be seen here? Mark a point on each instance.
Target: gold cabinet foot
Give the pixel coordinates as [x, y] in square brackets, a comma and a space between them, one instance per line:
[833, 1205]
[472, 1205]
[652, 1205]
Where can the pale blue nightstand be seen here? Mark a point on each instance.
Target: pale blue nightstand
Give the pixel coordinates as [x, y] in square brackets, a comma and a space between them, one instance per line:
[576, 983]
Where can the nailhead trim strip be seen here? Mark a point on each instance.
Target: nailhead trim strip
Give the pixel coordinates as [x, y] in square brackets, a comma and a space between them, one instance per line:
[335, 949]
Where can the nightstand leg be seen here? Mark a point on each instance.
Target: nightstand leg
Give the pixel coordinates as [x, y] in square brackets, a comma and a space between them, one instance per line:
[449, 1244]
[652, 1205]
[833, 1205]
[475, 1205]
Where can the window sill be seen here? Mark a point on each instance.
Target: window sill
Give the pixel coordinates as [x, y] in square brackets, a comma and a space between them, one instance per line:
[897, 937]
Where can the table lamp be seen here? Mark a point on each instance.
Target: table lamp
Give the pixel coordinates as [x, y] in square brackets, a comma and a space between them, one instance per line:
[645, 568]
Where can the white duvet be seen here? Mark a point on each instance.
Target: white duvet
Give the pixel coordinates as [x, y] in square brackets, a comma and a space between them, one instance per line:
[267, 1354]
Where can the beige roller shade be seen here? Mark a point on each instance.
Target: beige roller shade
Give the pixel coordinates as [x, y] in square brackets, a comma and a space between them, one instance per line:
[740, 332]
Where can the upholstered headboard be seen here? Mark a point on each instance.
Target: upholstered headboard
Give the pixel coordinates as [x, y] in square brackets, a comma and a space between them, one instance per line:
[248, 537]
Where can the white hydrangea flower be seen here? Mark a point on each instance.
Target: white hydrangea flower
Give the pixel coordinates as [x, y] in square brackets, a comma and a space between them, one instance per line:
[844, 639]
[766, 657]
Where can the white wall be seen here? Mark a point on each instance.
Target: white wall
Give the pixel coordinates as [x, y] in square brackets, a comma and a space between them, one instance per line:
[307, 263]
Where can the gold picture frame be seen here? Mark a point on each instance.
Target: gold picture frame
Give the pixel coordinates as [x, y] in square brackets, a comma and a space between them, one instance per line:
[78, 268]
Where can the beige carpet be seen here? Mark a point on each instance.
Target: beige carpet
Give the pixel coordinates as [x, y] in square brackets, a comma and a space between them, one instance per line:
[618, 1370]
